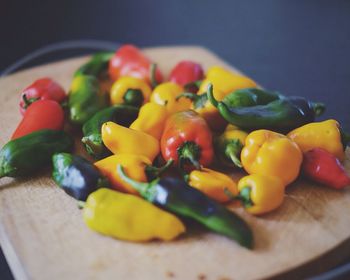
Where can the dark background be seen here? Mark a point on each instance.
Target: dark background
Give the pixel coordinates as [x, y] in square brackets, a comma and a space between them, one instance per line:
[296, 47]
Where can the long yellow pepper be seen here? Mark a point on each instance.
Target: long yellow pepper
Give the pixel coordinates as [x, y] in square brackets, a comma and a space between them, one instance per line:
[129, 217]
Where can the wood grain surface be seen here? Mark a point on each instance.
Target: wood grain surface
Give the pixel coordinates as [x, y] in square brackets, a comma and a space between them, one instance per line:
[43, 235]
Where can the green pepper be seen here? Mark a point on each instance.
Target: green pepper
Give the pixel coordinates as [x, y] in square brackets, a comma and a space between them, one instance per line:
[176, 196]
[25, 155]
[120, 114]
[250, 97]
[96, 65]
[76, 175]
[282, 114]
[85, 98]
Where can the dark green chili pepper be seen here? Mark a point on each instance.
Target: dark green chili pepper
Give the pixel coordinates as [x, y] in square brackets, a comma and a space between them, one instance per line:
[120, 114]
[85, 98]
[32, 152]
[176, 196]
[282, 114]
[96, 65]
[76, 175]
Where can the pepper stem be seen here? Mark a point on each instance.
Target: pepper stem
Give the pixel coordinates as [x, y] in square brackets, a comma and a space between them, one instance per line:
[81, 204]
[243, 197]
[192, 96]
[153, 79]
[133, 97]
[29, 101]
[153, 172]
[345, 138]
[318, 108]
[146, 190]
[189, 151]
[210, 95]
[233, 148]
[196, 84]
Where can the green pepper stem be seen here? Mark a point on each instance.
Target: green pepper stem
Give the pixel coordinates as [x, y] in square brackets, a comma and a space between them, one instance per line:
[81, 204]
[210, 95]
[196, 84]
[29, 101]
[243, 196]
[318, 108]
[154, 172]
[232, 150]
[345, 138]
[189, 151]
[192, 96]
[153, 69]
[133, 97]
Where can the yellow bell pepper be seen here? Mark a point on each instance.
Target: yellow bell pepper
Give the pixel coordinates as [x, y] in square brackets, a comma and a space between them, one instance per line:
[260, 193]
[129, 217]
[212, 183]
[166, 94]
[122, 140]
[270, 153]
[224, 82]
[325, 135]
[229, 145]
[151, 119]
[130, 91]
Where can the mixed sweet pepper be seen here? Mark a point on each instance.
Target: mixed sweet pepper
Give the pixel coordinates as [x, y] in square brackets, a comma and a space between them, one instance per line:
[155, 147]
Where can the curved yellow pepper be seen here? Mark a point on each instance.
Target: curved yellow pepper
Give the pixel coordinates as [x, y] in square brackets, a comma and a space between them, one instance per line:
[131, 91]
[212, 183]
[270, 153]
[261, 194]
[129, 217]
[325, 135]
[151, 119]
[224, 82]
[134, 166]
[166, 93]
[122, 140]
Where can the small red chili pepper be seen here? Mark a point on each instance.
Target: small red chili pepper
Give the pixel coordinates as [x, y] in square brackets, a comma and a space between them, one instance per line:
[42, 114]
[41, 89]
[323, 167]
[186, 72]
[130, 61]
[187, 140]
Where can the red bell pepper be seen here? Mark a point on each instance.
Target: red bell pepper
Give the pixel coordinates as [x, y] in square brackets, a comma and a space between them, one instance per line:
[187, 140]
[186, 72]
[323, 167]
[42, 114]
[130, 61]
[41, 89]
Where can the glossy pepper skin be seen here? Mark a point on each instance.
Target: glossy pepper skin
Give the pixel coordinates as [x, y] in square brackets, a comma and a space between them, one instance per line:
[187, 139]
[269, 153]
[229, 144]
[128, 217]
[151, 119]
[260, 194]
[121, 114]
[122, 140]
[128, 60]
[176, 196]
[326, 135]
[96, 65]
[42, 114]
[323, 167]
[212, 183]
[25, 155]
[41, 89]
[130, 91]
[186, 72]
[76, 175]
[282, 114]
[224, 82]
[206, 110]
[166, 95]
[85, 98]
[137, 167]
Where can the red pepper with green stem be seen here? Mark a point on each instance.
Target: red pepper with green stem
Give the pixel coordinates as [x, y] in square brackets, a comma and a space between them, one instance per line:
[187, 72]
[323, 167]
[187, 140]
[41, 89]
[42, 114]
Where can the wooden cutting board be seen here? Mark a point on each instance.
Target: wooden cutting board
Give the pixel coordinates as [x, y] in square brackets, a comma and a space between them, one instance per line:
[43, 235]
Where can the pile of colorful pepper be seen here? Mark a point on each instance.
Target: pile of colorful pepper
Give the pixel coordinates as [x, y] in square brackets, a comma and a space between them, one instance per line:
[157, 145]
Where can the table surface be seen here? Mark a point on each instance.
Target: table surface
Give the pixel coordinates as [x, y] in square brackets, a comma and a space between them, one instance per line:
[296, 47]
